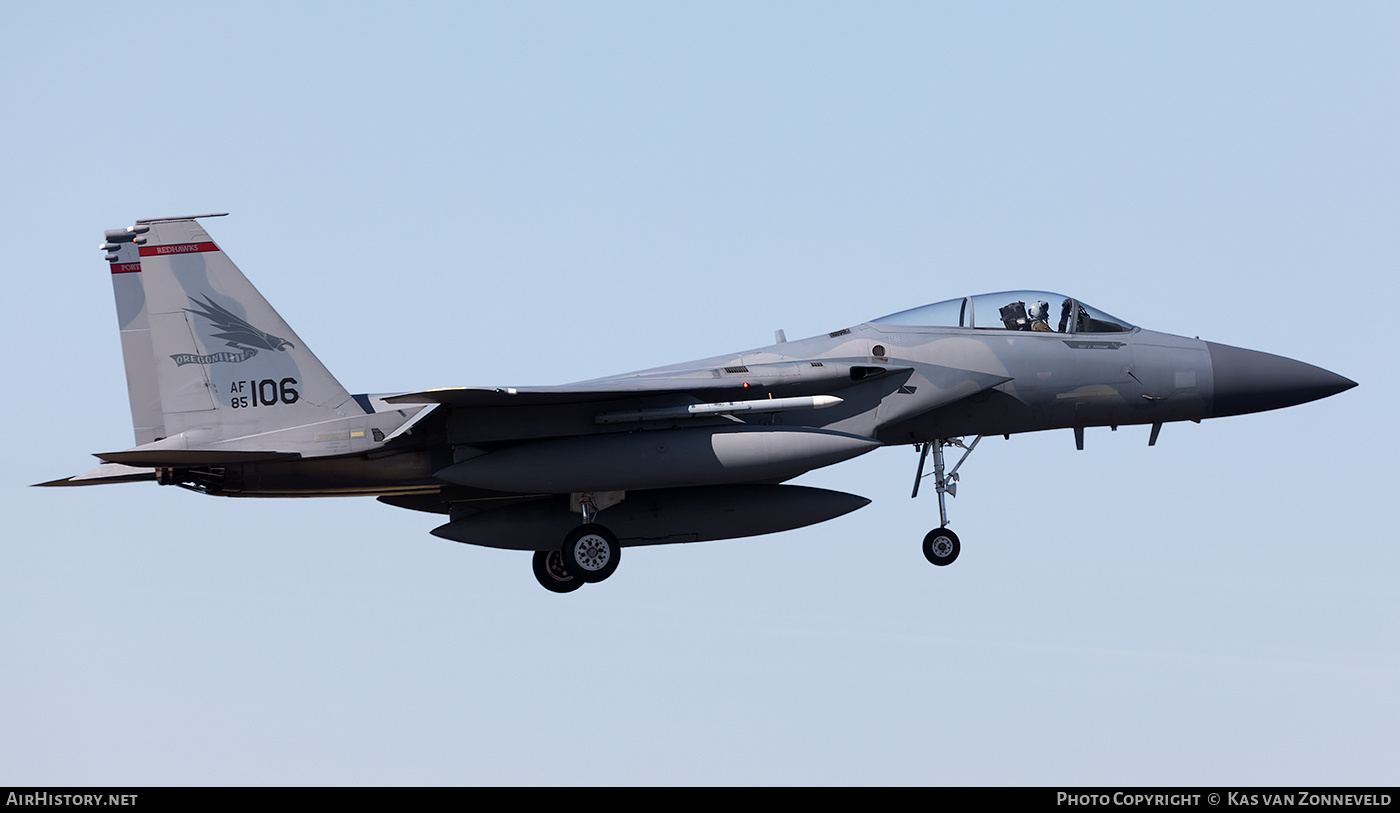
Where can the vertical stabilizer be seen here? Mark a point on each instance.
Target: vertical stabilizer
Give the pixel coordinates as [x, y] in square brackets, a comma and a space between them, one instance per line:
[221, 362]
[142, 389]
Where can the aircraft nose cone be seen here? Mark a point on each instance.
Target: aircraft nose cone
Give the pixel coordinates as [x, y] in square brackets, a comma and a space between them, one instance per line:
[1250, 381]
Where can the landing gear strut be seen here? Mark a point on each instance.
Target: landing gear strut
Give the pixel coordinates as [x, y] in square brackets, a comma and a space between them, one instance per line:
[941, 546]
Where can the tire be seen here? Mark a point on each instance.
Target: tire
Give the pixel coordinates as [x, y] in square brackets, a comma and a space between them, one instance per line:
[551, 574]
[591, 552]
[941, 547]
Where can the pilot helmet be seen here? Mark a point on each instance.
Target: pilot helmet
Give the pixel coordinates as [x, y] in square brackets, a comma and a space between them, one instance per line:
[1039, 309]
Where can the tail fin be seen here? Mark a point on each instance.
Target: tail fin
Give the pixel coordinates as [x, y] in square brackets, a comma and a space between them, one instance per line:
[206, 356]
[142, 389]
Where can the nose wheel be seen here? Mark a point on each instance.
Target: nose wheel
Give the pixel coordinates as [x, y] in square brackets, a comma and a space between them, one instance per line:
[941, 547]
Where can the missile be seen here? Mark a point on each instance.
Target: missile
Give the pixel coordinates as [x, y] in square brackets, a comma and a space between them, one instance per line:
[724, 408]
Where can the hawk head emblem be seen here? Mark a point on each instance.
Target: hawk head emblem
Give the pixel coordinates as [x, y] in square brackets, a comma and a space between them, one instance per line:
[234, 330]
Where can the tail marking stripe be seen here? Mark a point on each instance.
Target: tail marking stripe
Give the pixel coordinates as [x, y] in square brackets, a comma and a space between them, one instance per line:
[177, 248]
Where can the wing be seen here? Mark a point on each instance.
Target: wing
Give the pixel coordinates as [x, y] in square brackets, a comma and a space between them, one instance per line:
[804, 378]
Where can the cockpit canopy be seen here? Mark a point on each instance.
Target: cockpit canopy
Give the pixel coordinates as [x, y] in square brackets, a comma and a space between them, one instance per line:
[1037, 311]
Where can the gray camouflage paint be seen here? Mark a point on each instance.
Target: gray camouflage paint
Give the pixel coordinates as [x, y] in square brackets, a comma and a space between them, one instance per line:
[226, 399]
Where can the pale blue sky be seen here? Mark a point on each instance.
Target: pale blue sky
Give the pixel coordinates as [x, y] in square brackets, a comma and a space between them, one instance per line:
[534, 193]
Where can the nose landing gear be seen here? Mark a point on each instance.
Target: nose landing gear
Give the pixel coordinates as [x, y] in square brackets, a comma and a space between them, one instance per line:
[941, 546]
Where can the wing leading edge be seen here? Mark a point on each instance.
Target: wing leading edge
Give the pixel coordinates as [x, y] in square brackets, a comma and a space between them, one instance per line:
[740, 382]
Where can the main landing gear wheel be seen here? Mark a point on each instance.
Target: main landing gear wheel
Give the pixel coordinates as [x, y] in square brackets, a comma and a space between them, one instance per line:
[550, 572]
[941, 546]
[591, 552]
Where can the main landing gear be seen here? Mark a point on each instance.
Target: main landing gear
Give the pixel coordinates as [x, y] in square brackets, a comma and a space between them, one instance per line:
[551, 573]
[590, 552]
[941, 546]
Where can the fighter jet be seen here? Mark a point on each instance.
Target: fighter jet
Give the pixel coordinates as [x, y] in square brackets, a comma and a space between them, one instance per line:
[227, 400]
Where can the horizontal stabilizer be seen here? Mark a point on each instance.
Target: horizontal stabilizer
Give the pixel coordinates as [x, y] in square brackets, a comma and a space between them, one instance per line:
[105, 474]
[190, 457]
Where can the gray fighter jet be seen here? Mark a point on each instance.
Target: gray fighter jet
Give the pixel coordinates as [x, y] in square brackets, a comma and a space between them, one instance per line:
[226, 399]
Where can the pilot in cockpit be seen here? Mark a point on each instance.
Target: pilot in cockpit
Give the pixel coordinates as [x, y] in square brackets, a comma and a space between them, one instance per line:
[1038, 314]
